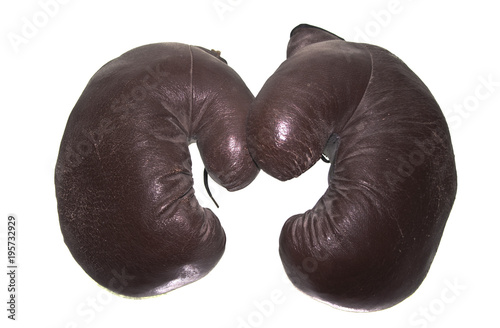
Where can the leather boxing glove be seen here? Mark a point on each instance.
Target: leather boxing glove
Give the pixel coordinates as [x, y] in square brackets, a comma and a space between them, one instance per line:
[369, 241]
[123, 178]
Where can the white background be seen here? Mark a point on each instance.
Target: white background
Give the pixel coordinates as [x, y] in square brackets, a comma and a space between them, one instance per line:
[452, 47]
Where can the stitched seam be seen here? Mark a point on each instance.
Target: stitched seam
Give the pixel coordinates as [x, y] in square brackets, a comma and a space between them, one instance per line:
[364, 93]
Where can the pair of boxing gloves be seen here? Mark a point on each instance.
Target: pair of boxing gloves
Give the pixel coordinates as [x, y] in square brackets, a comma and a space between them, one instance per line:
[124, 186]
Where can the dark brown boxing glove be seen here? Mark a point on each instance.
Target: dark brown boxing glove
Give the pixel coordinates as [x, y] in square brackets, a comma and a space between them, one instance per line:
[369, 241]
[123, 178]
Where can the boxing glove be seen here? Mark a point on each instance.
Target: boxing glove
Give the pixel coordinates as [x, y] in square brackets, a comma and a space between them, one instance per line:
[369, 241]
[124, 186]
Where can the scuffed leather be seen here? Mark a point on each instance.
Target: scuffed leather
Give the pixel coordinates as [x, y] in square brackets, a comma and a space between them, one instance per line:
[369, 241]
[123, 178]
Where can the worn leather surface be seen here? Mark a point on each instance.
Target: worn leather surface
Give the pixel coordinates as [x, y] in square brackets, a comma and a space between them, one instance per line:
[124, 187]
[369, 241]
